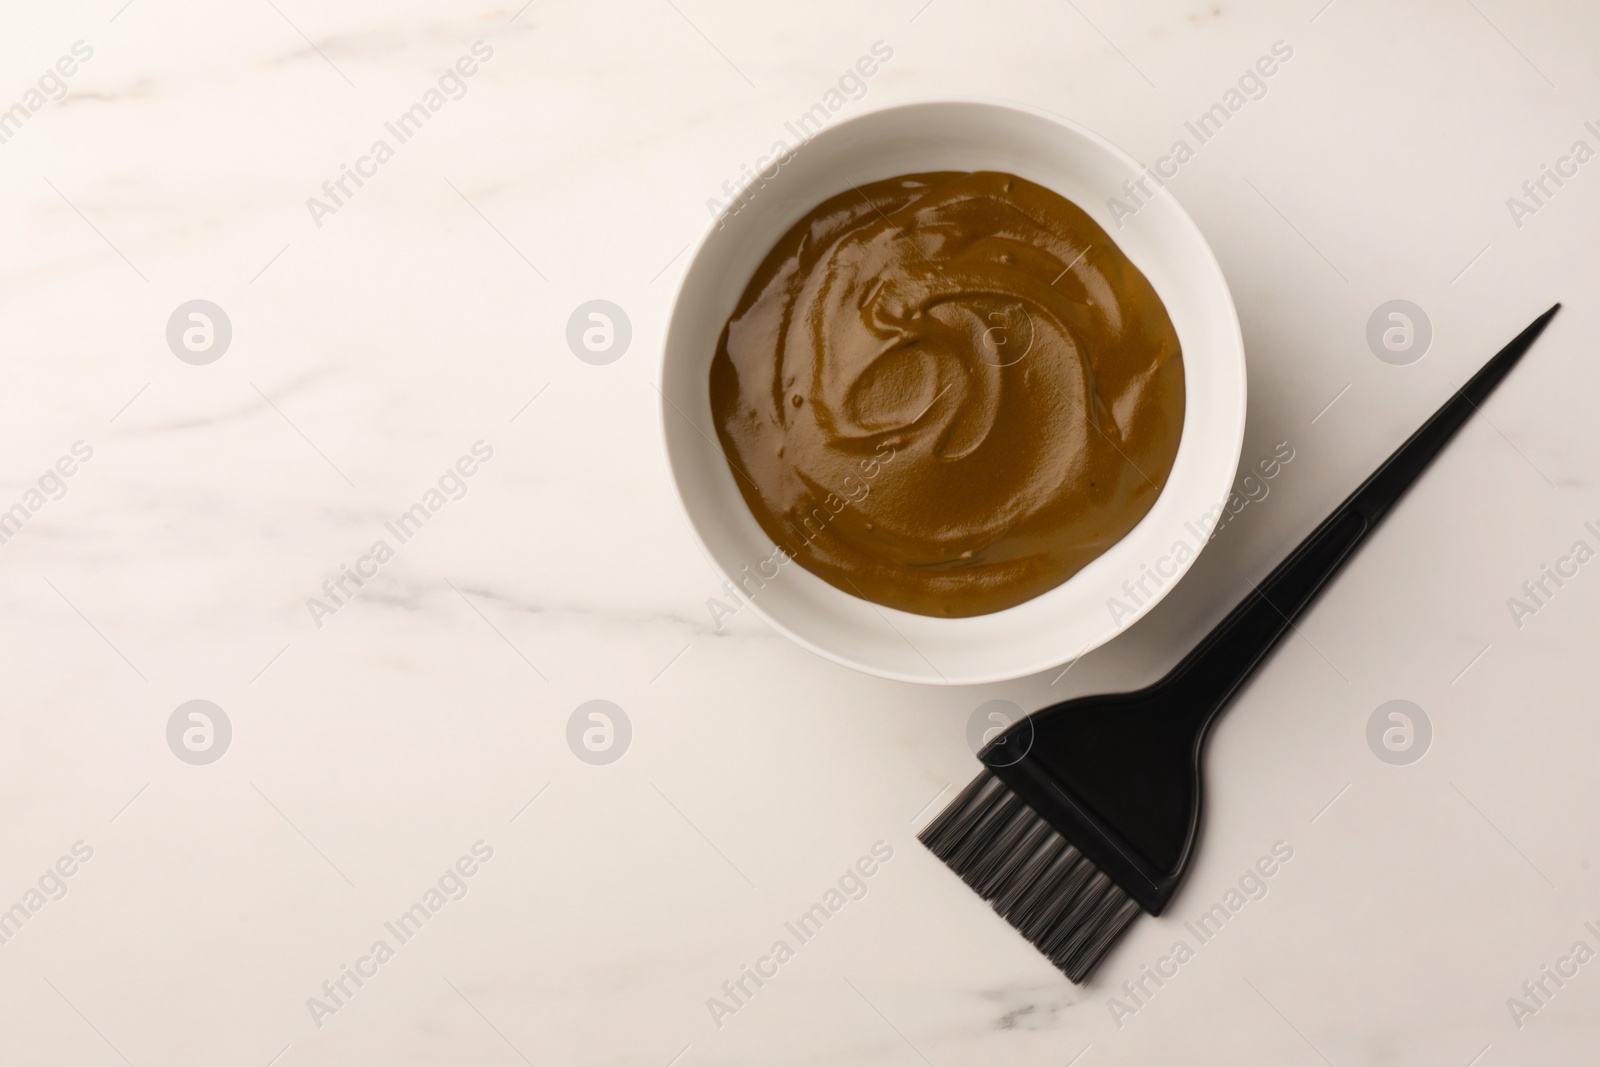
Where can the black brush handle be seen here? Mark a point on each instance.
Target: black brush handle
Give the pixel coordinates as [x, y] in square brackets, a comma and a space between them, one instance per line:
[1119, 775]
[1224, 660]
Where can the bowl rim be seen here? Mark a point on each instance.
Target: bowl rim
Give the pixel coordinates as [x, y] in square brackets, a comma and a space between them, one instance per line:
[668, 409]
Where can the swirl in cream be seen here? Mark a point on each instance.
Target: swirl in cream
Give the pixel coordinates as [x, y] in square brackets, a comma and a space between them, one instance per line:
[948, 392]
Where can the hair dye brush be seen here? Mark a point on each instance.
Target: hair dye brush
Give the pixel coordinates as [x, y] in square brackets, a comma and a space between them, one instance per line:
[1087, 812]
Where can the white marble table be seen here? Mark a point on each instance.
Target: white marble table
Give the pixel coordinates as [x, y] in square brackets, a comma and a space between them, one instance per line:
[376, 743]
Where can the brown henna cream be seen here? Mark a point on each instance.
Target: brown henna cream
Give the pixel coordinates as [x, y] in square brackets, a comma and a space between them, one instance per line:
[948, 392]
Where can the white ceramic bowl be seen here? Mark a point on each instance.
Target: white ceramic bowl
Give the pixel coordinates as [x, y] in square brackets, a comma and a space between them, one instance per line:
[1111, 592]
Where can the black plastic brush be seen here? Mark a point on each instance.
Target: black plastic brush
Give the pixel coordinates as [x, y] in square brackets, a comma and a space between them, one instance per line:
[1087, 811]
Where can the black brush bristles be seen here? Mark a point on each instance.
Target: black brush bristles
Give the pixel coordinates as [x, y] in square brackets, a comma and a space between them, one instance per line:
[1035, 879]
